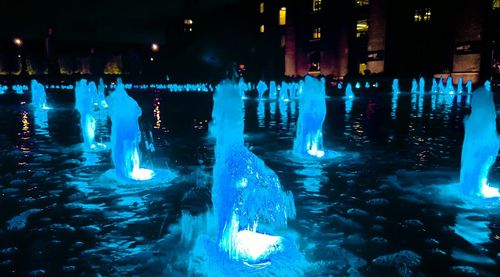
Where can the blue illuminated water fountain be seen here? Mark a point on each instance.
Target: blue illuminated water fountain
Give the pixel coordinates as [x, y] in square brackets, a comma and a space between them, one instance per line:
[84, 105]
[468, 86]
[261, 89]
[480, 146]
[414, 86]
[349, 94]
[248, 200]
[38, 95]
[242, 87]
[308, 140]
[284, 92]
[441, 88]
[395, 86]
[273, 92]
[460, 86]
[449, 86]
[434, 88]
[421, 85]
[126, 135]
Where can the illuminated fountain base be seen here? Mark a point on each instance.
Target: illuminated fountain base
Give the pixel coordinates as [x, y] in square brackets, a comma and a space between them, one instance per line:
[143, 176]
[255, 248]
[255, 253]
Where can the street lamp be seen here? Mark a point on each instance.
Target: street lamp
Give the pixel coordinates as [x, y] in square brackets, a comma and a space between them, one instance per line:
[18, 42]
[155, 47]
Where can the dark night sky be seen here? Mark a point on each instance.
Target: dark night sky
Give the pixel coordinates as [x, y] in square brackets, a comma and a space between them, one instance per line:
[135, 21]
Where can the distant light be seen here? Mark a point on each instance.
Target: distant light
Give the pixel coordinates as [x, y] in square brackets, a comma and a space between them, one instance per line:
[151, 59]
[18, 56]
[18, 41]
[155, 47]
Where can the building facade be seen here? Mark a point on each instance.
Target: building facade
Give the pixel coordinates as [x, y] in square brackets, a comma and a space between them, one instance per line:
[383, 37]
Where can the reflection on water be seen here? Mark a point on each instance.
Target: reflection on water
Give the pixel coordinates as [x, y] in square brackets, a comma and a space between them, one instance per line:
[472, 227]
[156, 113]
[272, 112]
[261, 114]
[283, 111]
[348, 107]
[41, 122]
[394, 106]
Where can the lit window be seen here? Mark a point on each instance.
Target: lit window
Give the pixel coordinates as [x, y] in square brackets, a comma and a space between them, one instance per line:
[261, 29]
[188, 25]
[361, 3]
[261, 7]
[282, 20]
[316, 33]
[316, 5]
[496, 4]
[361, 28]
[422, 15]
[427, 14]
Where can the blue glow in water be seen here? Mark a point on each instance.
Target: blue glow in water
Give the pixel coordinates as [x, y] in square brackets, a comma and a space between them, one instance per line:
[480, 146]
[248, 200]
[126, 135]
[414, 86]
[262, 88]
[38, 95]
[421, 85]
[367, 85]
[349, 94]
[312, 111]
[395, 86]
[358, 85]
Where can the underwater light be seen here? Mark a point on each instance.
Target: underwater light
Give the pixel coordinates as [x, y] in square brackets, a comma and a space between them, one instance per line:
[255, 247]
[488, 191]
[141, 174]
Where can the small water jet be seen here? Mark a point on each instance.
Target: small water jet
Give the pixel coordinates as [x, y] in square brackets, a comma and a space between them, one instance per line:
[414, 86]
[421, 85]
[349, 94]
[273, 91]
[38, 95]
[262, 88]
[460, 87]
[84, 105]
[395, 86]
[449, 86]
[308, 140]
[126, 136]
